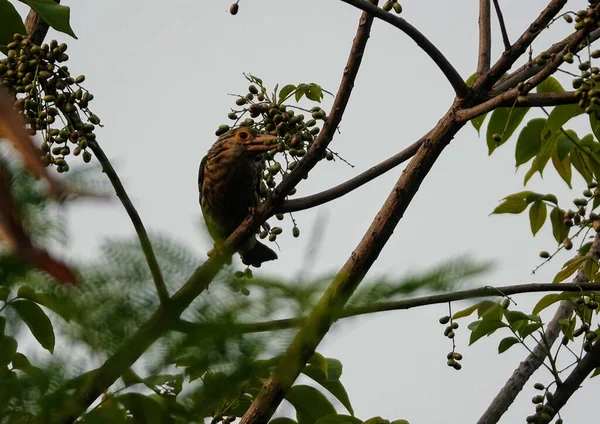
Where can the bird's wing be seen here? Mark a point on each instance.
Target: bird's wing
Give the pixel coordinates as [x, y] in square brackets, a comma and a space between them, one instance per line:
[201, 177]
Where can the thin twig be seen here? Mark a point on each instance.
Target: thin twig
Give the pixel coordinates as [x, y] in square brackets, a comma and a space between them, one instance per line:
[352, 184]
[396, 305]
[458, 84]
[110, 172]
[485, 37]
[502, 25]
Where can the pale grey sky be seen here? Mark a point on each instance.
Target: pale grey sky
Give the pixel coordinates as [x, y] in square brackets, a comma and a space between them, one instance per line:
[161, 71]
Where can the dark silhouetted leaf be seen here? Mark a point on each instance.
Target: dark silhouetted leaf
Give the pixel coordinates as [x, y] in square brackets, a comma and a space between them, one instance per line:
[506, 343]
[37, 321]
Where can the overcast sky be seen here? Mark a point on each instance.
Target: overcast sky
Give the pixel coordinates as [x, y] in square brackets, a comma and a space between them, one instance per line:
[161, 71]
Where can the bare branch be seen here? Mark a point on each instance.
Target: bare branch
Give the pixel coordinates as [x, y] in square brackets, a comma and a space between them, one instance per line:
[458, 84]
[508, 58]
[485, 37]
[502, 25]
[352, 184]
[525, 370]
[508, 99]
[110, 172]
[398, 305]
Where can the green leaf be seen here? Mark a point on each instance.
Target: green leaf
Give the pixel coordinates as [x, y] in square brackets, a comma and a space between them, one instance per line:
[10, 24]
[529, 328]
[514, 206]
[569, 269]
[143, 408]
[334, 369]
[478, 122]
[310, 404]
[580, 161]
[485, 328]
[506, 343]
[590, 269]
[537, 216]
[320, 362]
[564, 143]
[504, 121]
[550, 85]
[38, 322]
[300, 91]
[55, 14]
[515, 316]
[595, 373]
[488, 309]
[338, 419]
[335, 387]
[560, 115]
[314, 92]
[552, 298]
[285, 92]
[595, 124]
[529, 142]
[559, 230]
[465, 312]
[563, 167]
[8, 348]
[399, 422]
[282, 420]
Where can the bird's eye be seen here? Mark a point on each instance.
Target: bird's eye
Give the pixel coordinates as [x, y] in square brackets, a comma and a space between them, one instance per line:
[244, 135]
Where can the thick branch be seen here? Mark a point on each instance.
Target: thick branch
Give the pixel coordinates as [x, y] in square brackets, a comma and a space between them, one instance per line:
[352, 184]
[502, 25]
[110, 172]
[458, 84]
[167, 315]
[508, 58]
[397, 305]
[525, 370]
[485, 37]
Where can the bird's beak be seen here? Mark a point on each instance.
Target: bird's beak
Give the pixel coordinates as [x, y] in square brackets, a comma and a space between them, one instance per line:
[262, 143]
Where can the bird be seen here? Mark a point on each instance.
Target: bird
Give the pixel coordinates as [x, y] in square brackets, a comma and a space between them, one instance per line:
[228, 185]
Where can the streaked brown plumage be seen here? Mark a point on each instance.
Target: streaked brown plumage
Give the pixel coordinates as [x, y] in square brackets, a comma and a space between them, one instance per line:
[227, 182]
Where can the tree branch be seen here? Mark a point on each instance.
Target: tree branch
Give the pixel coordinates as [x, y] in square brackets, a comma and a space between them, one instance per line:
[110, 172]
[352, 184]
[167, 315]
[525, 370]
[502, 25]
[397, 305]
[508, 58]
[458, 84]
[485, 37]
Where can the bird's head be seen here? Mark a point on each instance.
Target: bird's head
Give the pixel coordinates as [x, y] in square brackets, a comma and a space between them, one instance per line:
[248, 140]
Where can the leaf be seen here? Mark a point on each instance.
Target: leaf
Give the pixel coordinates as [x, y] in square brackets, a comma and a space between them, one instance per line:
[300, 91]
[465, 312]
[314, 92]
[285, 92]
[335, 387]
[334, 369]
[320, 362]
[10, 24]
[282, 420]
[38, 322]
[485, 328]
[564, 143]
[550, 85]
[478, 120]
[515, 316]
[55, 14]
[514, 206]
[590, 269]
[310, 404]
[595, 124]
[580, 161]
[504, 121]
[528, 329]
[559, 229]
[529, 142]
[552, 298]
[338, 419]
[563, 167]
[8, 348]
[569, 269]
[143, 408]
[506, 343]
[560, 115]
[488, 309]
[109, 412]
[537, 216]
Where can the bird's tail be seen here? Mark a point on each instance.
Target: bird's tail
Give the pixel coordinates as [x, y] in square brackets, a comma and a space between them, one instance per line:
[258, 254]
